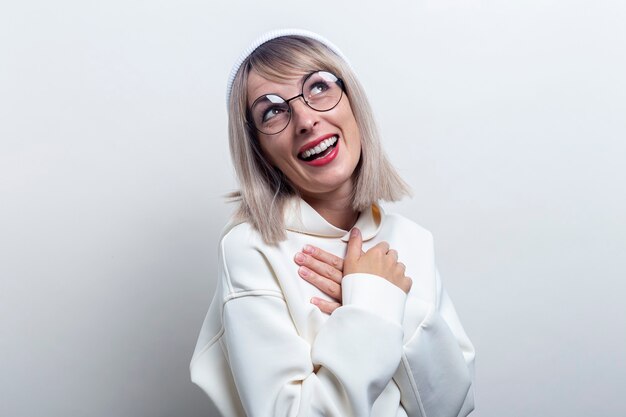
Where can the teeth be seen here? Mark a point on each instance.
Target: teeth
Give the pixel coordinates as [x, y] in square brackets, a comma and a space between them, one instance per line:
[321, 147]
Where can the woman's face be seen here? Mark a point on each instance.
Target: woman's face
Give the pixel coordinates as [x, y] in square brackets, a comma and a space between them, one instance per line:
[324, 174]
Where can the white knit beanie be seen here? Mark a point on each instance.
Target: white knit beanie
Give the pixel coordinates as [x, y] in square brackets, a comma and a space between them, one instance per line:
[268, 37]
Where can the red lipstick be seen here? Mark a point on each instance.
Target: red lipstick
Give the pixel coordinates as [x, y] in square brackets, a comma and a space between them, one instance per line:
[327, 158]
[314, 143]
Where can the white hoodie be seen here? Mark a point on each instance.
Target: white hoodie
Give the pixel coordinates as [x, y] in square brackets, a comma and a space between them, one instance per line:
[265, 350]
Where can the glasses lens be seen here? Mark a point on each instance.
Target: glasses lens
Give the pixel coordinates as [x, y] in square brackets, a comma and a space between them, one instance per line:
[322, 91]
[270, 114]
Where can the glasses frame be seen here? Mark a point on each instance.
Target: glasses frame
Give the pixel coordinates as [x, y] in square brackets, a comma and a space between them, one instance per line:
[339, 82]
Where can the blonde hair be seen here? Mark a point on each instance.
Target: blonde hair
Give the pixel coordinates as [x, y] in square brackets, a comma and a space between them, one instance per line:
[264, 188]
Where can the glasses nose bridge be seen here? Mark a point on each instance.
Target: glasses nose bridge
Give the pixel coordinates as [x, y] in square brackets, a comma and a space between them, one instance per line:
[288, 101]
[305, 103]
[305, 113]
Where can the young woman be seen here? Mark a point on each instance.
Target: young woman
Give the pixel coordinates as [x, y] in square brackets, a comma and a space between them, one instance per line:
[325, 305]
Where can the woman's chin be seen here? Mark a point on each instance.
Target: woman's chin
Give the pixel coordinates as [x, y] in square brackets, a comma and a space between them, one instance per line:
[333, 185]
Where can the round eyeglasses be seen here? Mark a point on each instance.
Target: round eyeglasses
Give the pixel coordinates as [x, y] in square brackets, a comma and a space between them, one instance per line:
[321, 91]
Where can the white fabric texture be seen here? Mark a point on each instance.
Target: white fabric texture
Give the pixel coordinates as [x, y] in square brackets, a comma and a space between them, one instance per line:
[265, 350]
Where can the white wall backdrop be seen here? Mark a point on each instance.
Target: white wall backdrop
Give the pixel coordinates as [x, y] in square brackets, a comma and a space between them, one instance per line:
[508, 118]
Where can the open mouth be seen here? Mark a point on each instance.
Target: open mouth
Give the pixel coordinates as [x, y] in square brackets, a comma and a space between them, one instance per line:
[320, 150]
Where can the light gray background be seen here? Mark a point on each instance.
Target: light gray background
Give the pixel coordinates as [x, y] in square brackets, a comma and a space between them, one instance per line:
[507, 118]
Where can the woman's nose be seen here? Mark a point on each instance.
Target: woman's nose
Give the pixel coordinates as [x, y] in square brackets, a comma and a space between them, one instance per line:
[303, 117]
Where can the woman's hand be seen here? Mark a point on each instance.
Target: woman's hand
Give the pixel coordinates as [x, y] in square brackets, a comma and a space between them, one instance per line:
[323, 270]
[379, 260]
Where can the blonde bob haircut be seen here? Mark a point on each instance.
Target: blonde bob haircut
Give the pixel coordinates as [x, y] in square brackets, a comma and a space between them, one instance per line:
[264, 189]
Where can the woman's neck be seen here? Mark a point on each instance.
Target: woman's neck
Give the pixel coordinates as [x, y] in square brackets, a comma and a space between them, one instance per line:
[336, 210]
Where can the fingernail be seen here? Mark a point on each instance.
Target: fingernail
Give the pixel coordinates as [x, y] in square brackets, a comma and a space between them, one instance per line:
[314, 301]
[307, 249]
[303, 271]
[355, 232]
[299, 257]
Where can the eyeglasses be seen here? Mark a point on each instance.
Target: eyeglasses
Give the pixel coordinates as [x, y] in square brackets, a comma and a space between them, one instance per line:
[321, 91]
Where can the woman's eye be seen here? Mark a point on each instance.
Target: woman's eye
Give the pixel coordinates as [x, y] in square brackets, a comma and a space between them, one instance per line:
[318, 87]
[271, 113]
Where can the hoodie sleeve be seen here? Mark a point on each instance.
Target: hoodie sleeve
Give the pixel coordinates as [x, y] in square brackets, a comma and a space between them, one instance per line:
[341, 373]
[437, 367]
